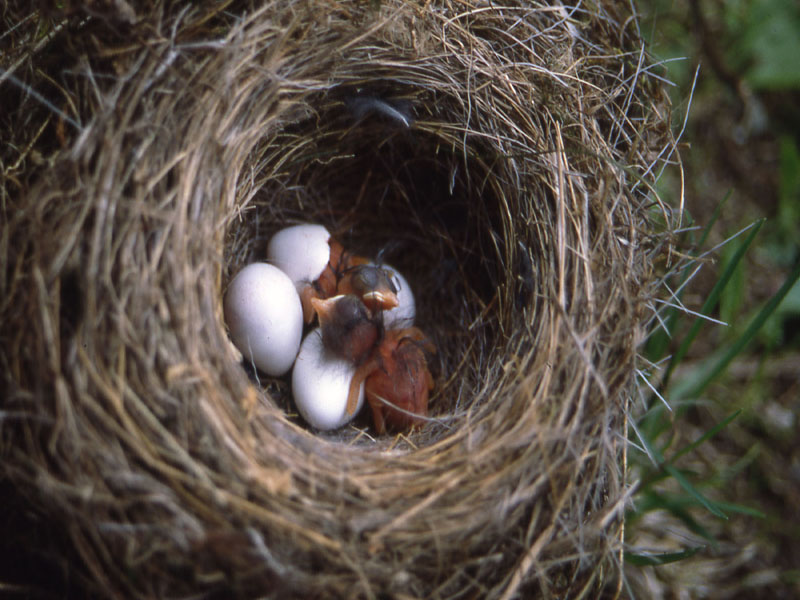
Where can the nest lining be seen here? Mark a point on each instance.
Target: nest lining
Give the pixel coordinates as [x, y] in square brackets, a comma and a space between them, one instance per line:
[505, 206]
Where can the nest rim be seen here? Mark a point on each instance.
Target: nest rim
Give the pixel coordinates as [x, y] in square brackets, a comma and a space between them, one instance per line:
[375, 494]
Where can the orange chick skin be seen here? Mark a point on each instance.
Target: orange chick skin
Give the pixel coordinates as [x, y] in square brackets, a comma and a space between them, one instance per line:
[347, 274]
[392, 364]
[401, 379]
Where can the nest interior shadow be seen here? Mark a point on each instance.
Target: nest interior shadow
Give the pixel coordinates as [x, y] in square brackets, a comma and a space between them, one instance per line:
[389, 188]
[497, 155]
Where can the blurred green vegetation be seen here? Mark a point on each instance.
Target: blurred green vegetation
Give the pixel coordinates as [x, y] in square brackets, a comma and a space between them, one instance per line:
[718, 471]
[755, 40]
[764, 41]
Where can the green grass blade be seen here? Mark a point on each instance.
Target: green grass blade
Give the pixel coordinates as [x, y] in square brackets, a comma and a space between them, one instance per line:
[654, 476]
[707, 435]
[694, 492]
[654, 560]
[742, 510]
[657, 421]
[714, 218]
[728, 473]
[719, 366]
[710, 303]
[659, 339]
[652, 452]
[677, 506]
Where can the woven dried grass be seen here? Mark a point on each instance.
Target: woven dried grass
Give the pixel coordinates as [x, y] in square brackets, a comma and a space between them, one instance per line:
[498, 153]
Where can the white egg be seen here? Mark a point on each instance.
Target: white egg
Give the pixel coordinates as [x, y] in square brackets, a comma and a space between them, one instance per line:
[320, 384]
[264, 317]
[301, 251]
[402, 315]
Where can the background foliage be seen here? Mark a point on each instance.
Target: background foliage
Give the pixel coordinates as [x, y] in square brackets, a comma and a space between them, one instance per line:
[718, 493]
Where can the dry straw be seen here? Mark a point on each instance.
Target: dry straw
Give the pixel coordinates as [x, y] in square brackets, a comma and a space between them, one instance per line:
[497, 153]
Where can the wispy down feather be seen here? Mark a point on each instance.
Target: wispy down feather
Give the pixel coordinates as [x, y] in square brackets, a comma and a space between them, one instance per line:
[361, 106]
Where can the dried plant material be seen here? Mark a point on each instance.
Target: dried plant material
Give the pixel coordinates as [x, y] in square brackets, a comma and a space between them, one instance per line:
[499, 154]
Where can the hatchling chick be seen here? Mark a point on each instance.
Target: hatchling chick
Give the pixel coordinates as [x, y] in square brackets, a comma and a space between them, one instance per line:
[397, 391]
[348, 274]
[392, 364]
[350, 331]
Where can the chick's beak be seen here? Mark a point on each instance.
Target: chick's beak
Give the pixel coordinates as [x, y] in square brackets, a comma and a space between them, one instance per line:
[386, 300]
[323, 308]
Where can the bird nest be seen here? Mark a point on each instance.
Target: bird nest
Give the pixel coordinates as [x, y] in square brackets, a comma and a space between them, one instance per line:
[497, 154]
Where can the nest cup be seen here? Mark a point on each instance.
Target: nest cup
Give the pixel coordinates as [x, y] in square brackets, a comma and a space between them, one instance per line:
[497, 155]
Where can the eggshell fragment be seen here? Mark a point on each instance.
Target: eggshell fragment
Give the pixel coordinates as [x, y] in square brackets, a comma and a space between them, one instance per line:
[264, 317]
[402, 315]
[320, 383]
[300, 251]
